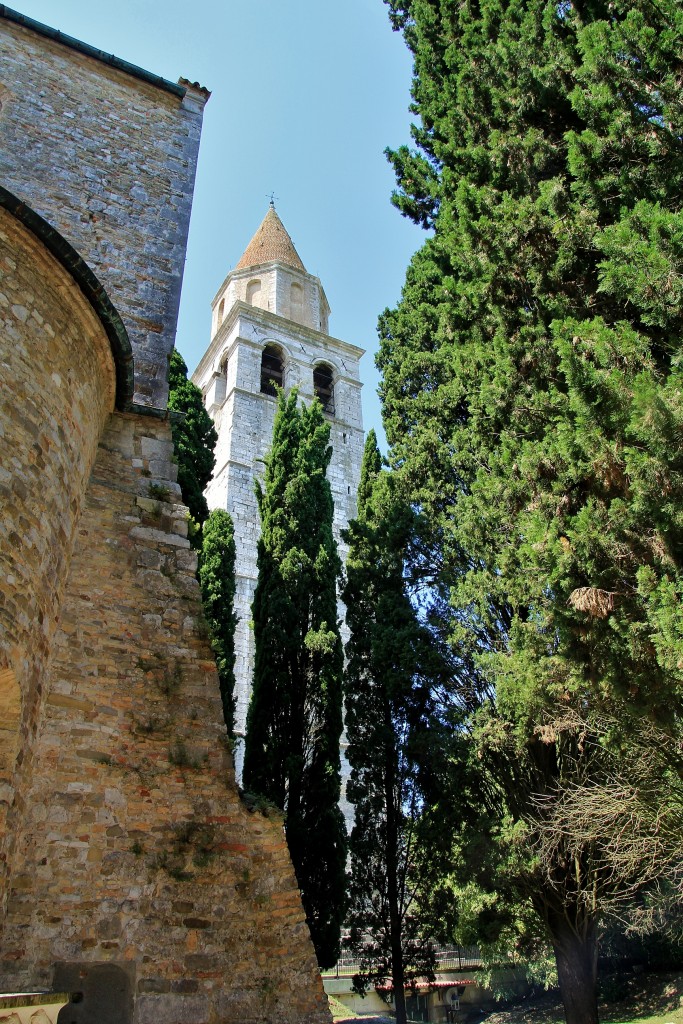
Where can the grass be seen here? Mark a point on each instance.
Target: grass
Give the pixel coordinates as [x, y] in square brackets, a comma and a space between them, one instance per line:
[606, 1017]
[662, 1018]
[337, 1009]
[340, 1012]
[646, 999]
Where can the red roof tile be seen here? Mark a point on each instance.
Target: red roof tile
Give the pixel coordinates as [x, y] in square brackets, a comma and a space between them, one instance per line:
[271, 242]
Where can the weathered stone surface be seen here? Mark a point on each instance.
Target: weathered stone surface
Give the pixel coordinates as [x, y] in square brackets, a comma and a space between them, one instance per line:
[112, 162]
[166, 868]
[173, 1009]
[57, 381]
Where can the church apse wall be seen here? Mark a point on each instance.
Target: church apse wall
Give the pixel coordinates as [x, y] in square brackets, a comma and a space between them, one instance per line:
[135, 849]
[57, 379]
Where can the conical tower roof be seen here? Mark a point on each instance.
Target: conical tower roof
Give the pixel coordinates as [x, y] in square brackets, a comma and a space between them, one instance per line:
[271, 242]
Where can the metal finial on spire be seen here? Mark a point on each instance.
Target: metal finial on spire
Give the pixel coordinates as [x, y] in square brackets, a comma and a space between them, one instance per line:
[272, 198]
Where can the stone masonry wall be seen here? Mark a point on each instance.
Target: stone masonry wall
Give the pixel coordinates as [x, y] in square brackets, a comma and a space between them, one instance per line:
[274, 294]
[136, 850]
[57, 382]
[112, 166]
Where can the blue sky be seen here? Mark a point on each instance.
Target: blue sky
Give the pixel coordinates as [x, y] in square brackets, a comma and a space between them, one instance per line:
[306, 95]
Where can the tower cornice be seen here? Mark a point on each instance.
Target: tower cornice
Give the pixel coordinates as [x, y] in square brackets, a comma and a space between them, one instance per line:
[264, 319]
[261, 268]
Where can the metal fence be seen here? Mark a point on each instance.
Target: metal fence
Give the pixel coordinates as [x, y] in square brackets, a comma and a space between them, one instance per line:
[458, 958]
[452, 958]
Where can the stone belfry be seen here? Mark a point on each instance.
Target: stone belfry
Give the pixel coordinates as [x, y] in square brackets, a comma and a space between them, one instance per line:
[270, 324]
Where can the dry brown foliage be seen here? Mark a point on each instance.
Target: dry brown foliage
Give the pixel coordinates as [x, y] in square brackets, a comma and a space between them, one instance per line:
[596, 602]
[620, 827]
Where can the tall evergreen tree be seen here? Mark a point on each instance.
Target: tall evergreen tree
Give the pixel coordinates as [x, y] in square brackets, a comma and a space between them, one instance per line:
[294, 721]
[531, 387]
[217, 582]
[194, 438]
[391, 666]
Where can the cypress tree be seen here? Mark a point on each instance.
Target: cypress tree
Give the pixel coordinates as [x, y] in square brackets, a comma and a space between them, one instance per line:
[531, 387]
[217, 582]
[194, 438]
[391, 666]
[294, 721]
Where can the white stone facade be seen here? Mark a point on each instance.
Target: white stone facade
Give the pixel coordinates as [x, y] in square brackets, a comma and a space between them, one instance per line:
[272, 304]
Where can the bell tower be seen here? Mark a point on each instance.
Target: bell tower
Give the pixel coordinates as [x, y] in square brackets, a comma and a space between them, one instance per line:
[270, 327]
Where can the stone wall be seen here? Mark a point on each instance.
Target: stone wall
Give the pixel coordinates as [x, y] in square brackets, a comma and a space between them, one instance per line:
[112, 162]
[135, 849]
[270, 287]
[57, 380]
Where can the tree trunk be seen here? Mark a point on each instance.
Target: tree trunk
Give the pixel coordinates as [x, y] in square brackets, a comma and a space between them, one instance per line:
[400, 1004]
[577, 961]
[391, 858]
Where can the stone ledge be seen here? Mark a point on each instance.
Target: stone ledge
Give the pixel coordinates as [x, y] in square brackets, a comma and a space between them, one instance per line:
[147, 533]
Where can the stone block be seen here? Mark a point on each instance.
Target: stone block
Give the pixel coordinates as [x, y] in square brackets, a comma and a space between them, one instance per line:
[172, 1008]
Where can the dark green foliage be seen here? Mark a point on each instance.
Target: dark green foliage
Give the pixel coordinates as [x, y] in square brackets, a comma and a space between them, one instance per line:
[294, 721]
[532, 399]
[391, 668]
[656, 952]
[217, 582]
[194, 438]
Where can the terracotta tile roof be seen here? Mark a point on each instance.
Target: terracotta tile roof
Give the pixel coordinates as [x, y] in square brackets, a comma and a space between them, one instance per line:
[271, 242]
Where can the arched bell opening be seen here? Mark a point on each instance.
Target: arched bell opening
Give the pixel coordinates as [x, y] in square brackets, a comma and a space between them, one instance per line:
[272, 370]
[323, 386]
[296, 302]
[254, 292]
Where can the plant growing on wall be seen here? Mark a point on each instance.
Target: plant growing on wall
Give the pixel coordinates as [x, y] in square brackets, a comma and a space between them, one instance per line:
[294, 721]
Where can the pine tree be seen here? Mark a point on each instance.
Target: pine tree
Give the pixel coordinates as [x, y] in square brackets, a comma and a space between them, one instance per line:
[217, 582]
[531, 387]
[391, 665]
[294, 721]
[194, 438]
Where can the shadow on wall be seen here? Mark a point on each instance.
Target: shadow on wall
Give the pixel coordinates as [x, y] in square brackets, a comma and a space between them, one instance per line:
[101, 993]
